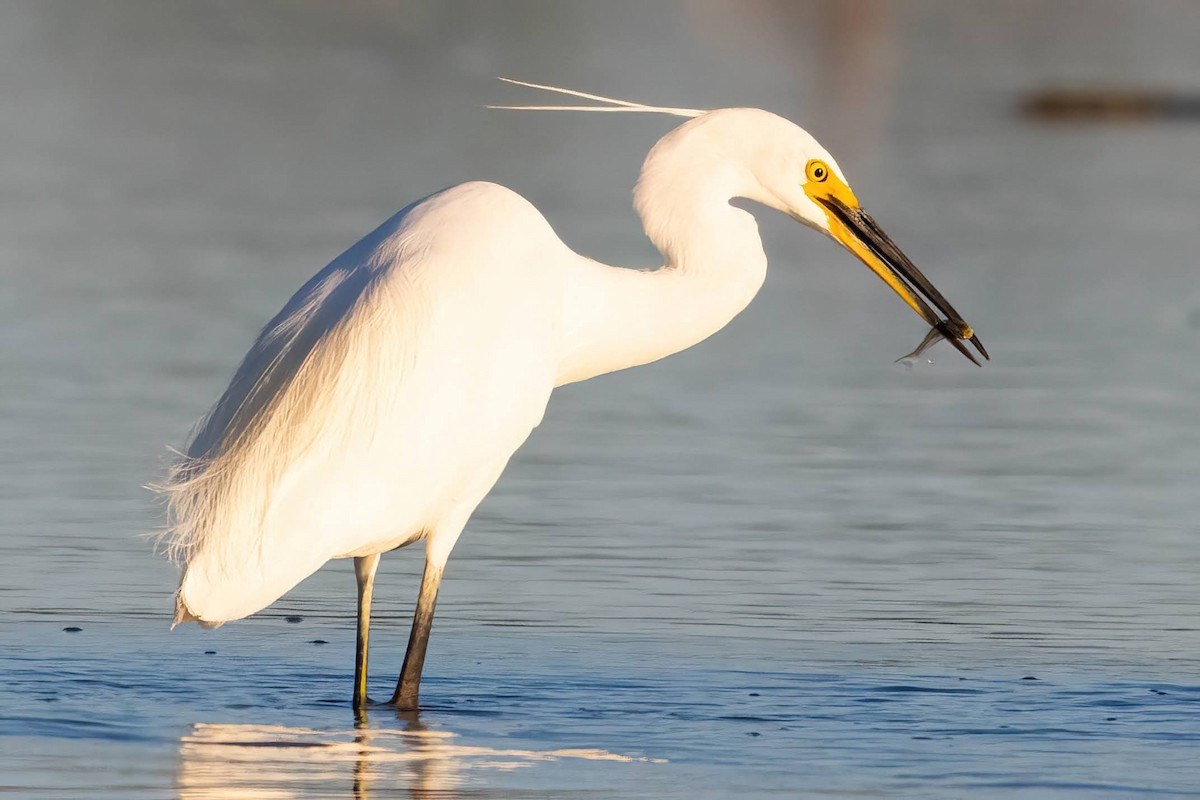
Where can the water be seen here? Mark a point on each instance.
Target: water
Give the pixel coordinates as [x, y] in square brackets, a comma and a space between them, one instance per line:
[775, 565]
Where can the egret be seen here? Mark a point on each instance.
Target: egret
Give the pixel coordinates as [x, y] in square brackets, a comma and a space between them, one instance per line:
[381, 404]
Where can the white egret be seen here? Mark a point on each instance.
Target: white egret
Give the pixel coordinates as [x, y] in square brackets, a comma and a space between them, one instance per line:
[379, 407]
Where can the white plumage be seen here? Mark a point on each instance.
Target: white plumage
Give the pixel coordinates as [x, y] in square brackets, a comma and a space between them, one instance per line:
[382, 403]
[362, 419]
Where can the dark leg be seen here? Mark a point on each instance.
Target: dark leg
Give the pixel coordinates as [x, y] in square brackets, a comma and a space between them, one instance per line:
[364, 571]
[405, 698]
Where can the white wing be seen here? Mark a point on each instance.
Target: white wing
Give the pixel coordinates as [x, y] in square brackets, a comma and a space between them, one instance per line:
[385, 397]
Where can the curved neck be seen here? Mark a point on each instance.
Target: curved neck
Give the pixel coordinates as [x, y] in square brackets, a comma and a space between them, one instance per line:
[616, 318]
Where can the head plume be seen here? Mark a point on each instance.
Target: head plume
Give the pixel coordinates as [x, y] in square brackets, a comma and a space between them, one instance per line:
[613, 104]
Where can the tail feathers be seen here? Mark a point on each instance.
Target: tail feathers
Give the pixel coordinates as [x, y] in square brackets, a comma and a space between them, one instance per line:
[184, 614]
[212, 593]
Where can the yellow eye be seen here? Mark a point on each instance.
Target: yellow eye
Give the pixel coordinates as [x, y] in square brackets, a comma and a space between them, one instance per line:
[817, 170]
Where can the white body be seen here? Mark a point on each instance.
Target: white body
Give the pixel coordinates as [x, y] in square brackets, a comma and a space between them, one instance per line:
[381, 405]
[409, 433]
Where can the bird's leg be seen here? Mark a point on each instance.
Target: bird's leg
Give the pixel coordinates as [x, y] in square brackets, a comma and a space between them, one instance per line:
[364, 571]
[405, 698]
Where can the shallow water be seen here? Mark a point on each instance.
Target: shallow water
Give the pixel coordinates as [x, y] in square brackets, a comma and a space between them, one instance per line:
[775, 565]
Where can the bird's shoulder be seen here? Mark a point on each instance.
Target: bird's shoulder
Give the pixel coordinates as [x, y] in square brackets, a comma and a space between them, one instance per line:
[468, 228]
[472, 211]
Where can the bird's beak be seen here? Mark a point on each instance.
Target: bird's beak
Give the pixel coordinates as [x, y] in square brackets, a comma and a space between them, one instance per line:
[859, 234]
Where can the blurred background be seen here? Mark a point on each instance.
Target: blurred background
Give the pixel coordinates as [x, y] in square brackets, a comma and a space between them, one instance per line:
[777, 560]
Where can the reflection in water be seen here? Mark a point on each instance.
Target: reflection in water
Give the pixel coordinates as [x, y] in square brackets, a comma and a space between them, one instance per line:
[273, 761]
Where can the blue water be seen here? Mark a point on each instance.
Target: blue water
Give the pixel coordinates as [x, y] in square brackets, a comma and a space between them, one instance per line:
[515, 714]
[775, 565]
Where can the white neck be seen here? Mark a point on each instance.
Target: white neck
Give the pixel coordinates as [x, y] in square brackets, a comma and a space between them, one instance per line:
[617, 318]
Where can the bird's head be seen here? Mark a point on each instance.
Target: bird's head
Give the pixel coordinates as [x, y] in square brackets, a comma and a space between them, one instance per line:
[750, 153]
[788, 170]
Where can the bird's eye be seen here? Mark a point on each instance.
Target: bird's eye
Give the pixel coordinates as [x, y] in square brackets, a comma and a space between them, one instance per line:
[817, 170]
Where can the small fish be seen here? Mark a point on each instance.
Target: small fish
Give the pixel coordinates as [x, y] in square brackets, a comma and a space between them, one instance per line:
[933, 337]
[952, 331]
